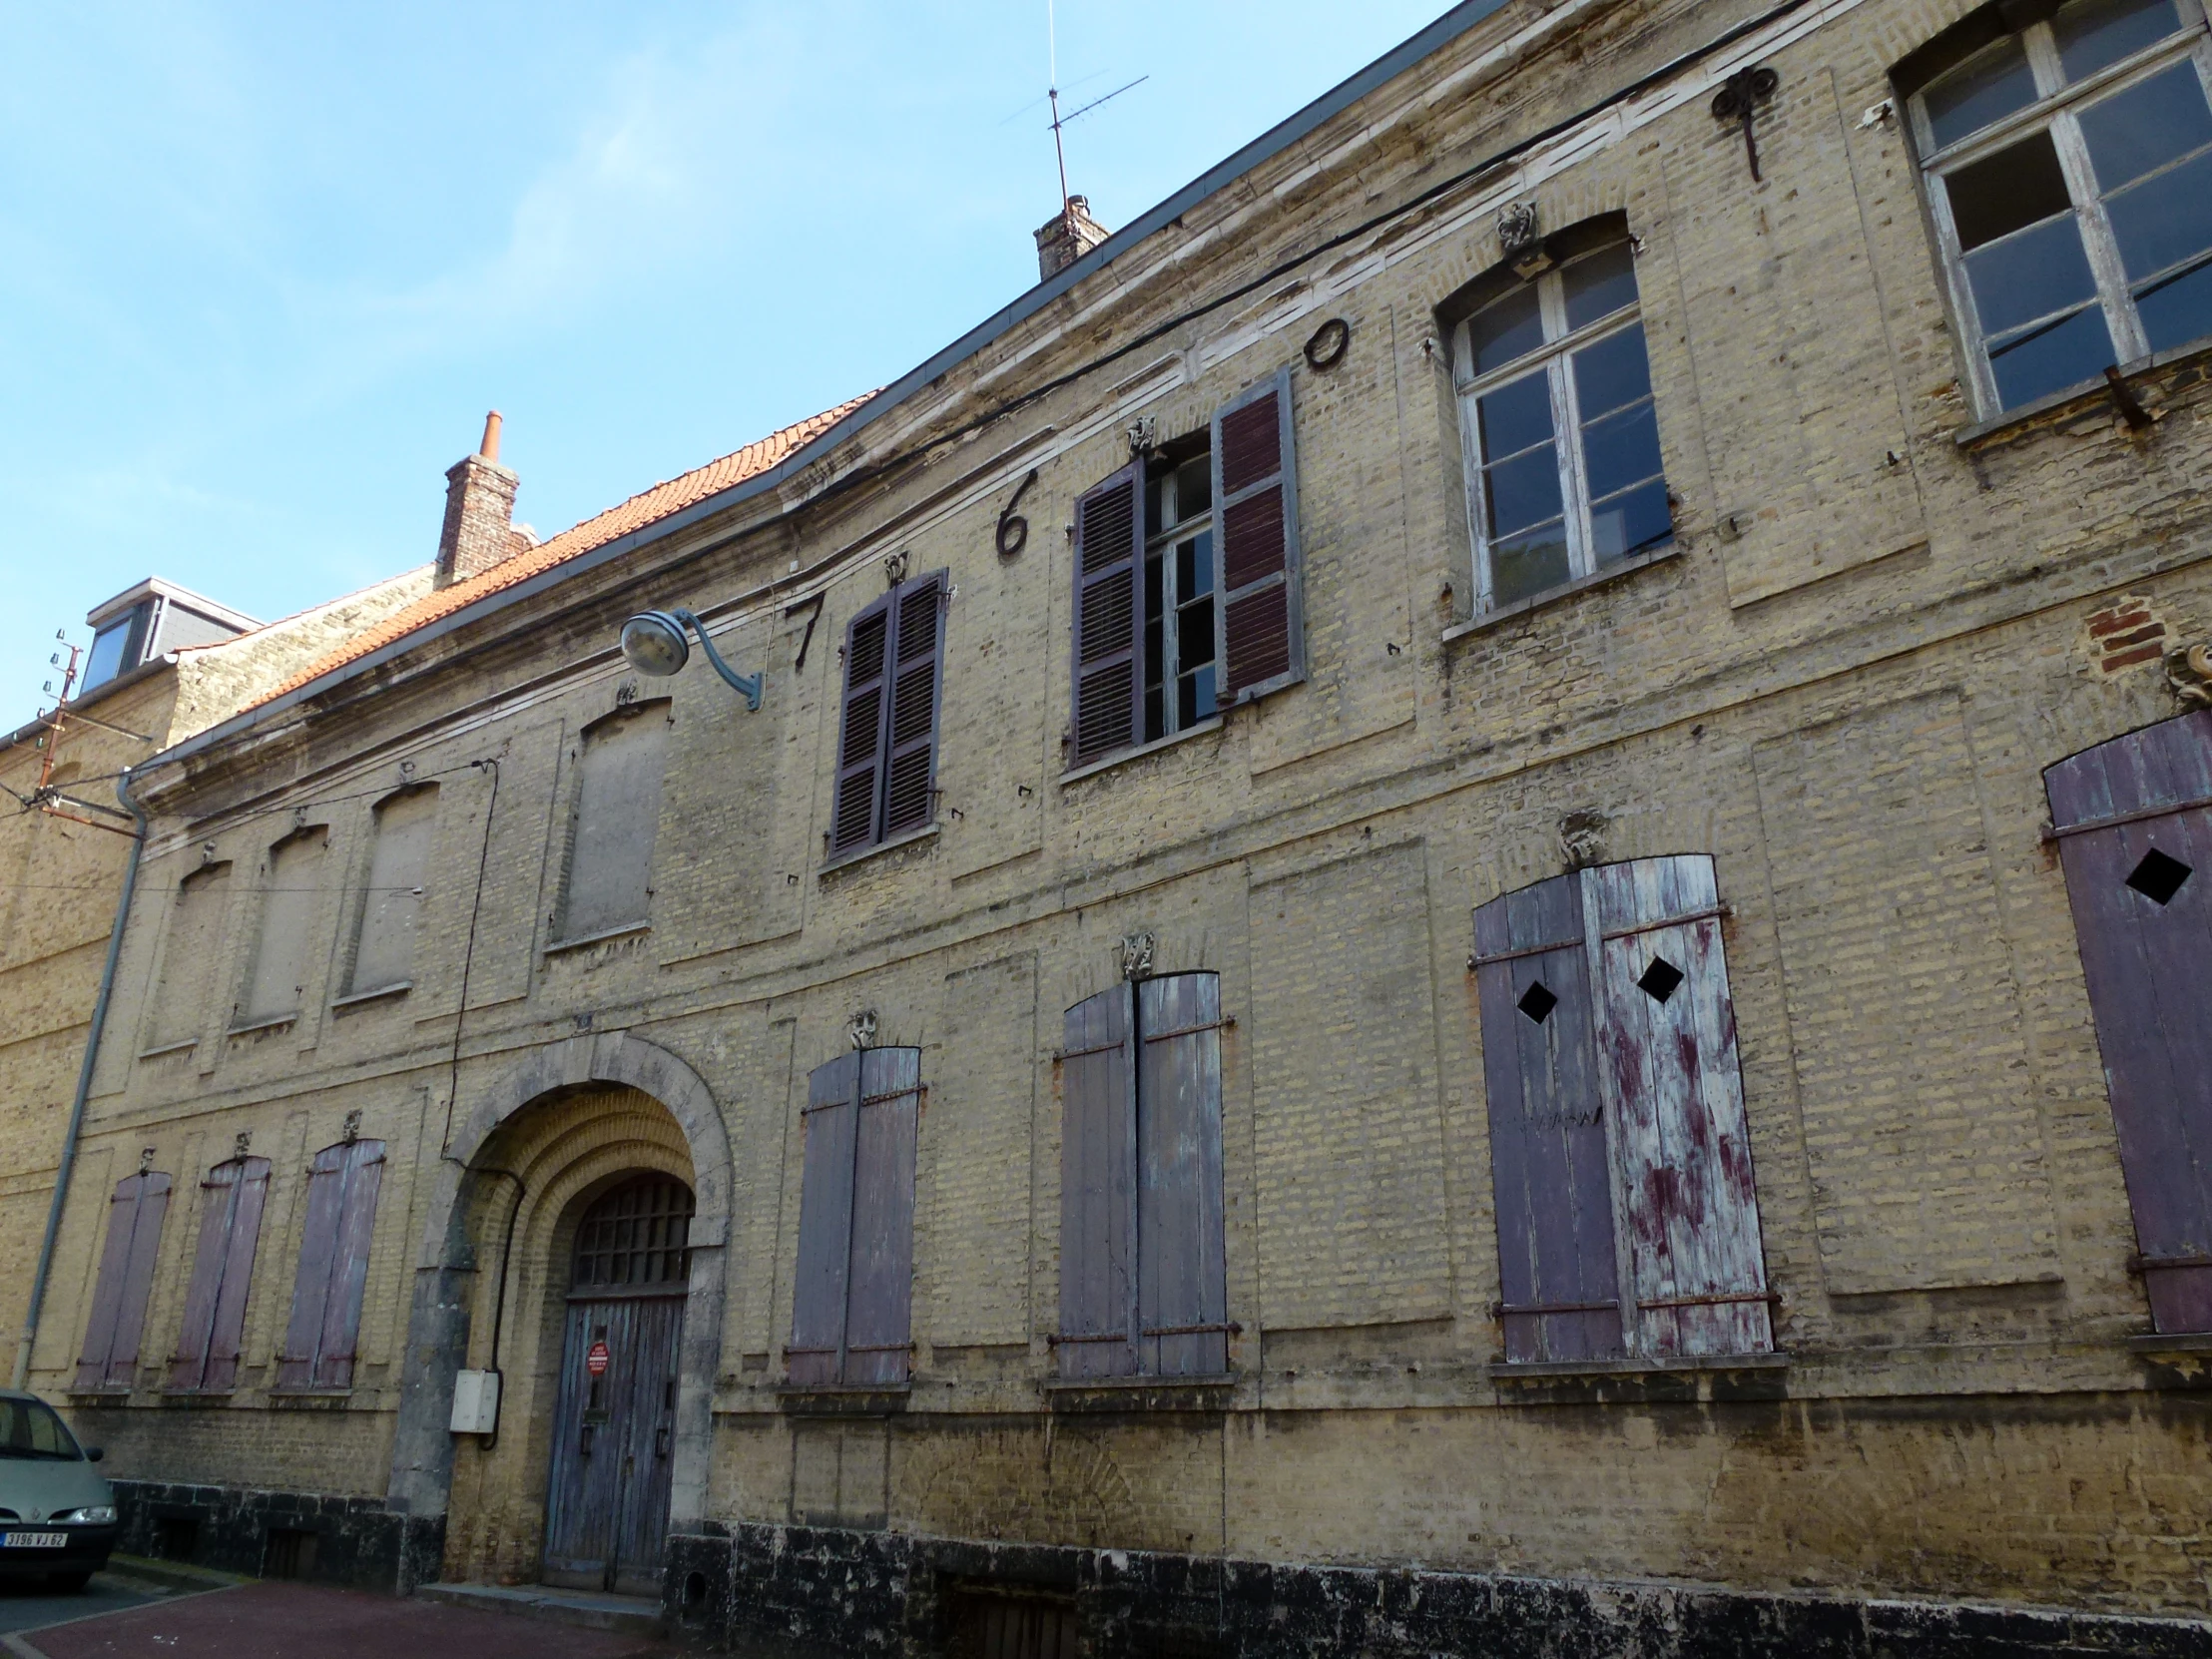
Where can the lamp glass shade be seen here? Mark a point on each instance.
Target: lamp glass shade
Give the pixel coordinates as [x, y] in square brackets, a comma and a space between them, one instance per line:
[652, 643]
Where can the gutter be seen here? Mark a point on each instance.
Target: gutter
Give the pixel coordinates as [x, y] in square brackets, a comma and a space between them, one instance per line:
[83, 1088]
[1294, 128]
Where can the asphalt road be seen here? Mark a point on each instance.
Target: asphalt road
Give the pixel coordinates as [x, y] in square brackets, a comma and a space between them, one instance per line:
[28, 1606]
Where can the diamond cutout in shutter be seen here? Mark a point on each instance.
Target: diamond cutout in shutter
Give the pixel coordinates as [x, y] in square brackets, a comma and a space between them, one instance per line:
[1660, 980]
[1537, 1002]
[2158, 877]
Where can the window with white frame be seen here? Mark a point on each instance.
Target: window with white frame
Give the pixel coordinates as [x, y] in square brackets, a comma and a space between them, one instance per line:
[2069, 172]
[1562, 441]
[1178, 595]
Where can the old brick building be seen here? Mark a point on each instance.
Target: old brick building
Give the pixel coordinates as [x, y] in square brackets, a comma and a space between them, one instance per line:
[1463, 915]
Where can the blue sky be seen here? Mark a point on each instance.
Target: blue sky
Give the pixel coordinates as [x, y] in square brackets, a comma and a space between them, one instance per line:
[262, 268]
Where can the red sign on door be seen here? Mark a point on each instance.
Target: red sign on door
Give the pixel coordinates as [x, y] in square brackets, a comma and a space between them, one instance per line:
[595, 1360]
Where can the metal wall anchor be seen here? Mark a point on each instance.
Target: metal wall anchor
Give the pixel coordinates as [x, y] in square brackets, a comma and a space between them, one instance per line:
[1739, 100]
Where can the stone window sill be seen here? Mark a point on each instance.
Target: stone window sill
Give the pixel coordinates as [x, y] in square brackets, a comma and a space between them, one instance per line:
[381, 994]
[2179, 1341]
[310, 1397]
[828, 1399]
[2080, 398]
[99, 1397]
[1565, 590]
[168, 1048]
[275, 1022]
[1121, 756]
[1140, 1394]
[198, 1397]
[861, 854]
[1677, 1365]
[559, 947]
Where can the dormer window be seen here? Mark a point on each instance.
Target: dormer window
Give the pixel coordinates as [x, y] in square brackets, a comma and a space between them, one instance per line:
[117, 646]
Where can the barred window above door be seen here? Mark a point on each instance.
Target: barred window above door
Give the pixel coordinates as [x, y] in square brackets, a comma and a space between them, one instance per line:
[2069, 175]
[1559, 426]
[635, 1237]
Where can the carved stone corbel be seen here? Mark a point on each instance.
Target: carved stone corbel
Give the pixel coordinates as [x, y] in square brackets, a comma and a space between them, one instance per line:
[2189, 672]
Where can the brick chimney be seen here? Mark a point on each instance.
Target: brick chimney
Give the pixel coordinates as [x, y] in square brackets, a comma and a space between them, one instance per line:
[480, 527]
[1066, 237]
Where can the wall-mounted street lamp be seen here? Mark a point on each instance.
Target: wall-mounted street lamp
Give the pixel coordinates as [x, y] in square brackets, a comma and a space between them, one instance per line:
[652, 643]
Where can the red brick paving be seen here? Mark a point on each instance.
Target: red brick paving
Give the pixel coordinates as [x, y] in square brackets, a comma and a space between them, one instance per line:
[312, 1621]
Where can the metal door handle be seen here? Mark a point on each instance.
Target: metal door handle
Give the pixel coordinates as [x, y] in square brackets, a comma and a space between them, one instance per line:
[584, 1450]
[660, 1443]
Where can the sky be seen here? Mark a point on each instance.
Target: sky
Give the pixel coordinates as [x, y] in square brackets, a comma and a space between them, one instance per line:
[264, 268]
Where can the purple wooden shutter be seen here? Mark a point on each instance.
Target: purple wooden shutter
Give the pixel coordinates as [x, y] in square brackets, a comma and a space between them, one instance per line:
[311, 1290]
[1098, 1127]
[1667, 1043]
[364, 1167]
[911, 746]
[1558, 1279]
[2141, 893]
[226, 1335]
[1260, 624]
[861, 744]
[816, 1351]
[879, 1280]
[135, 1213]
[1109, 635]
[217, 1197]
[1182, 1273]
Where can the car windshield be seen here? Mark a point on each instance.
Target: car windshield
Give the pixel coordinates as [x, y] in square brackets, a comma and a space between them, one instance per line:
[29, 1428]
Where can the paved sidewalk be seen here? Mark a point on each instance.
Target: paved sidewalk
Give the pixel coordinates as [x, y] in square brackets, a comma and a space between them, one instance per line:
[269, 1620]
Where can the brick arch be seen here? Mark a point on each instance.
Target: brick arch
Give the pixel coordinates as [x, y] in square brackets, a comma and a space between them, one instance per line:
[439, 1325]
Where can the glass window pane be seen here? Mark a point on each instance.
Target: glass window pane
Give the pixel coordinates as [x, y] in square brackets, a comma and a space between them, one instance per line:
[1979, 91]
[1156, 491]
[1527, 563]
[2149, 124]
[2179, 311]
[1193, 698]
[1630, 522]
[1194, 634]
[2165, 220]
[1600, 284]
[2000, 194]
[2093, 32]
[1612, 373]
[1522, 491]
[1507, 330]
[2028, 276]
[1152, 612]
[1621, 449]
[106, 659]
[1515, 417]
[1194, 488]
[2051, 360]
[1193, 567]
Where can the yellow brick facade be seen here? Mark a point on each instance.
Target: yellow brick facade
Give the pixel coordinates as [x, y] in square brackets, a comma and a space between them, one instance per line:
[1841, 684]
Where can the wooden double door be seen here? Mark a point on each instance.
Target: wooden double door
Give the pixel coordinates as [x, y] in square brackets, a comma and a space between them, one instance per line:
[614, 1433]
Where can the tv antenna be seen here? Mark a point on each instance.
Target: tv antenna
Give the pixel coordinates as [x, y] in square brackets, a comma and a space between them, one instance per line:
[1052, 92]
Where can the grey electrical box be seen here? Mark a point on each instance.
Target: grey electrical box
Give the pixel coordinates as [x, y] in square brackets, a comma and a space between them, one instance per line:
[476, 1402]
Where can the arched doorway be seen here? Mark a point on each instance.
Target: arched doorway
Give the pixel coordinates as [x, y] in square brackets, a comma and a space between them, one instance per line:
[614, 1424]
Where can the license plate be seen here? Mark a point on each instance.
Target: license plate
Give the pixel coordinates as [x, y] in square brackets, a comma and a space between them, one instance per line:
[34, 1540]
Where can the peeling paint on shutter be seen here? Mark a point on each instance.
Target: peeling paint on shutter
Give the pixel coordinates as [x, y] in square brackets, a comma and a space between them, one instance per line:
[1681, 1145]
[1182, 1278]
[231, 1200]
[135, 1214]
[1108, 642]
[860, 744]
[342, 1185]
[289, 904]
[816, 1351]
[880, 1276]
[910, 746]
[1097, 1199]
[2133, 817]
[1559, 1287]
[1259, 625]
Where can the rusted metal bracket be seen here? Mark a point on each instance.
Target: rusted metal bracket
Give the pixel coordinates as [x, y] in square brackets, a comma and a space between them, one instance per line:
[1219, 1327]
[1739, 100]
[2131, 409]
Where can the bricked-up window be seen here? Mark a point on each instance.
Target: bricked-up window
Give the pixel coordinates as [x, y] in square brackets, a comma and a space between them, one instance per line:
[2069, 172]
[616, 819]
[1144, 1286]
[232, 1199]
[1609, 1063]
[391, 900]
[325, 1319]
[887, 739]
[852, 1293]
[189, 948]
[1189, 581]
[291, 896]
[1561, 436]
[136, 1210]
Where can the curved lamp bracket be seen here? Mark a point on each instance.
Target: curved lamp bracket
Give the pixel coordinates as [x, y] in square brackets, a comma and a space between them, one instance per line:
[652, 643]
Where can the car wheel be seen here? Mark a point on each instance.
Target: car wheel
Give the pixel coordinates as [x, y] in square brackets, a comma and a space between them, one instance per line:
[68, 1583]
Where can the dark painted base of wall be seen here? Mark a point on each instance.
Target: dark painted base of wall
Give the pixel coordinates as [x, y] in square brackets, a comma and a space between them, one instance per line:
[809, 1593]
[330, 1540]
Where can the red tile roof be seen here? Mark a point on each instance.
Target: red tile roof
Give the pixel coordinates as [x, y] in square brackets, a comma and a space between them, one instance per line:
[645, 507]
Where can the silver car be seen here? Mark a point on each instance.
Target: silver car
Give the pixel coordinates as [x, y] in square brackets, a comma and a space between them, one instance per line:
[57, 1514]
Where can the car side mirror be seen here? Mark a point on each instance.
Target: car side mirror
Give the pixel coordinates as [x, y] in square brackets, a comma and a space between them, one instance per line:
[93, 1454]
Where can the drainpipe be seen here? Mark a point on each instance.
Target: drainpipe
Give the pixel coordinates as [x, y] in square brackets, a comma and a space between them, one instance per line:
[83, 1087]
